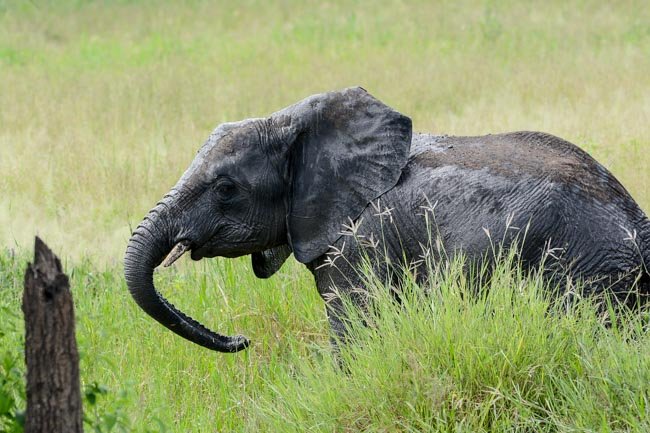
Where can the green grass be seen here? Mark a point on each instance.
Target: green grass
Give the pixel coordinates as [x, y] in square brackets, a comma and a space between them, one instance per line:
[103, 105]
[508, 359]
[152, 374]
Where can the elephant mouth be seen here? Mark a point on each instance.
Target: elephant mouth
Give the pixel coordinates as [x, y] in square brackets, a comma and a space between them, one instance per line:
[197, 252]
[180, 249]
[208, 251]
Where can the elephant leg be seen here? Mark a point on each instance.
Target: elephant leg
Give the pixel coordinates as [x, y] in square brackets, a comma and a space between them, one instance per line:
[338, 310]
[343, 285]
[337, 318]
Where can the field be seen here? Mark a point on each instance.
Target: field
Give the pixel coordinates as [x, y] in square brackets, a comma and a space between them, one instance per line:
[104, 104]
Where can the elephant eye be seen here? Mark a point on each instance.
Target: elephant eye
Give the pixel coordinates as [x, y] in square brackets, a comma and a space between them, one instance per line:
[225, 189]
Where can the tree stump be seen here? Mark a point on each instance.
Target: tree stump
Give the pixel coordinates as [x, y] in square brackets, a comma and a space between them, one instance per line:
[53, 394]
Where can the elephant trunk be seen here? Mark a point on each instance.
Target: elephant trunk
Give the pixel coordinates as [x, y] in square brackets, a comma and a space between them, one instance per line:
[148, 246]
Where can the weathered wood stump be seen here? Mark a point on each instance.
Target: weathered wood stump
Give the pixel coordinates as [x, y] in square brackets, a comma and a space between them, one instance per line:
[53, 394]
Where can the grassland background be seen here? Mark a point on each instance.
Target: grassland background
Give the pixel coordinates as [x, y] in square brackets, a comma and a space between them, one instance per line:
[103, 104]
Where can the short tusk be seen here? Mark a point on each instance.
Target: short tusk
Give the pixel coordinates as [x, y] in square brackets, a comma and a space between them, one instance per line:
[176, 252]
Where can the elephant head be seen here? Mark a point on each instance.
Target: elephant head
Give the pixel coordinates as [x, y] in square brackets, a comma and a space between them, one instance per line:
[269, 187]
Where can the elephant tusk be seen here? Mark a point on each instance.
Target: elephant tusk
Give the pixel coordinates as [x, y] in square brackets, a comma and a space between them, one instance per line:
[178, 250]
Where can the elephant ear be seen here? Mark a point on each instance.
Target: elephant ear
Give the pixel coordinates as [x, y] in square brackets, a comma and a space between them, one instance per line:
[268, 262]
[344, 149]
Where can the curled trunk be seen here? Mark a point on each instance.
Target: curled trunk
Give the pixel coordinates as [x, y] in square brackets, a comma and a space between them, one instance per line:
[148, 246]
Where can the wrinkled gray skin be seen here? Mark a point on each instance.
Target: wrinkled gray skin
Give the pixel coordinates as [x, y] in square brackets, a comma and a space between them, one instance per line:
[288, 183]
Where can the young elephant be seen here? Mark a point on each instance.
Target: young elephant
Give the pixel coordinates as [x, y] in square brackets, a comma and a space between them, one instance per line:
[290, 182]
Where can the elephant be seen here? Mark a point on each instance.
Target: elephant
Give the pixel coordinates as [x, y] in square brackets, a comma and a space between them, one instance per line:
[302, 179]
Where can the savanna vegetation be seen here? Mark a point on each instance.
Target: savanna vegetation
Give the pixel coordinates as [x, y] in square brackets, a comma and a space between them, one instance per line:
[103, 104]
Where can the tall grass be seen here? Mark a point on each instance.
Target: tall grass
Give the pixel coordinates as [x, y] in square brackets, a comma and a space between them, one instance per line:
[451, 356]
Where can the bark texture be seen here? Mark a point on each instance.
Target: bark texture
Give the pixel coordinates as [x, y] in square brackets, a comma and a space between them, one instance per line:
[53, 394]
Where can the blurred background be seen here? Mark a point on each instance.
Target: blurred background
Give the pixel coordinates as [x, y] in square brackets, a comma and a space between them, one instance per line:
[103, 104]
